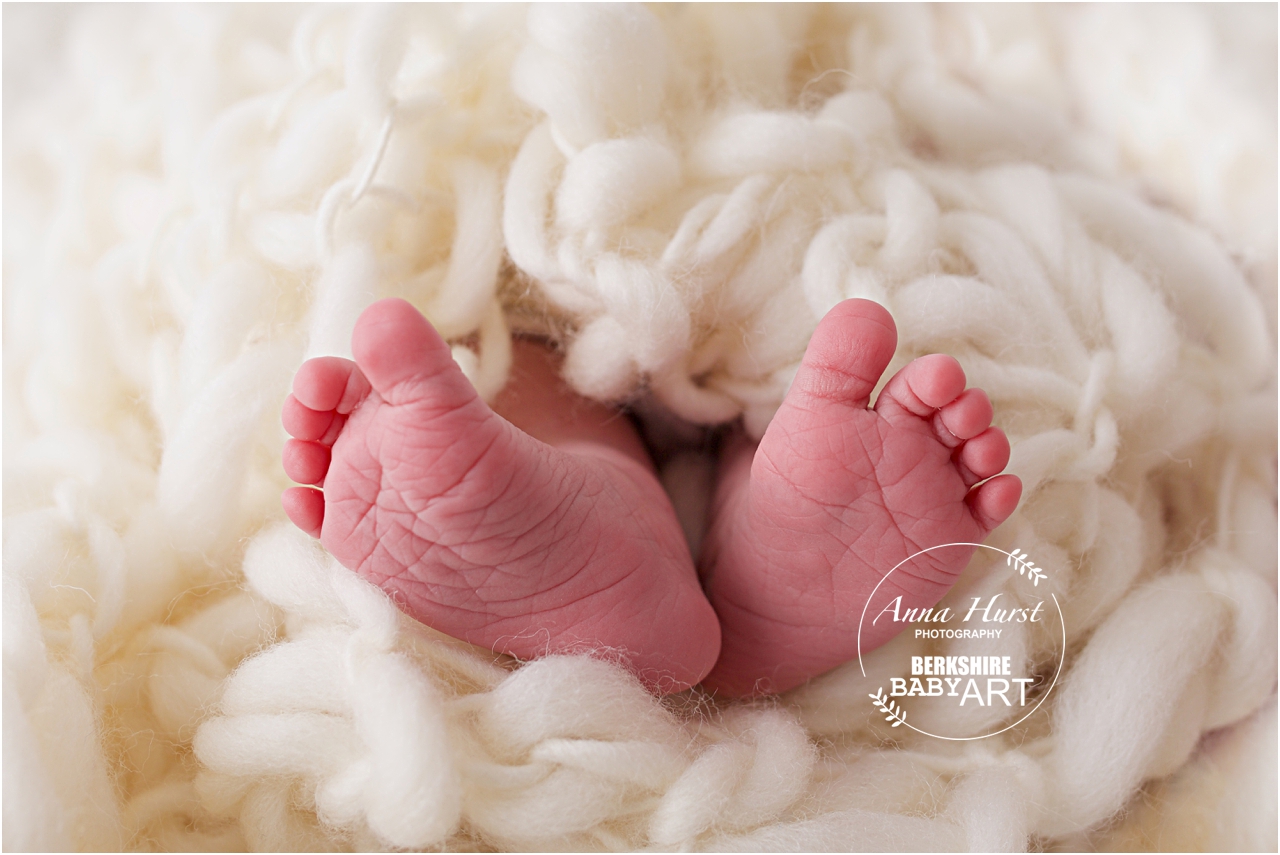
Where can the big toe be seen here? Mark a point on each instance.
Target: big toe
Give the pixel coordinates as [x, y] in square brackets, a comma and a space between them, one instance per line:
[400, 353]
[848, 352]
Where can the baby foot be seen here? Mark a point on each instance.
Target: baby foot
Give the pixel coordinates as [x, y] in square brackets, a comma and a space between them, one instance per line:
[837, 494]
[478, 529]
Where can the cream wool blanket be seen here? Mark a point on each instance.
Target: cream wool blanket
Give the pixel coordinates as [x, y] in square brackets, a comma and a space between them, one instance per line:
[1078, 203]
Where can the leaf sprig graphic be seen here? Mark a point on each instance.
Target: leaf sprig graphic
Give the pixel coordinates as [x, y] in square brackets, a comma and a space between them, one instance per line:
[1025, 566]
[894, 713]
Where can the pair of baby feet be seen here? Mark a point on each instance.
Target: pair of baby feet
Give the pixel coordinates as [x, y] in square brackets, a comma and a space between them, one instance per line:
[486, 533]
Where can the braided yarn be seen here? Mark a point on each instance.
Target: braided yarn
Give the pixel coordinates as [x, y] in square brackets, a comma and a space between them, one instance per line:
[1078, 203]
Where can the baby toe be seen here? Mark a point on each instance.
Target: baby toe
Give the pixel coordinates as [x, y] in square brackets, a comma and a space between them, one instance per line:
[983, 456]
[306, 462]
[924, 385]
[847, 353]
[403, 356]
[304, 423]
[305, 508]
[335, 428]
[964, 418]
[992, 502]
[330, 383]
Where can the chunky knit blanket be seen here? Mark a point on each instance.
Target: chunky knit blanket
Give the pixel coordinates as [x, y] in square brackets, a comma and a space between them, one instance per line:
[1078, 203]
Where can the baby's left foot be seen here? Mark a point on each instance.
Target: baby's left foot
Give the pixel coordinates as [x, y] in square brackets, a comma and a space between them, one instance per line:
[837, 494]
[476, 526]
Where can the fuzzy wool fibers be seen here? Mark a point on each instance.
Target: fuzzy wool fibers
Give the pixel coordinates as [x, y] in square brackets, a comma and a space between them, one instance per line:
[1078, 203]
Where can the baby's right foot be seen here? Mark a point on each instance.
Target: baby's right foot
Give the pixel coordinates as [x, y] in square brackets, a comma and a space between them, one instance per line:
[838, 494]
[478, 529]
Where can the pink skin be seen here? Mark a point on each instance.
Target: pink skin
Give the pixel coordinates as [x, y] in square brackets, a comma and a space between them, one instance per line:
[805, 525]
[479, 529]
[542, 527]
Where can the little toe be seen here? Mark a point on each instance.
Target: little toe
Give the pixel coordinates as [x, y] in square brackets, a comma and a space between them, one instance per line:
[924, 385]
[306, 462]
[848, 352]
[983, 456]
[964, 418]
[330, 383]
[305, 508]
[993, 501]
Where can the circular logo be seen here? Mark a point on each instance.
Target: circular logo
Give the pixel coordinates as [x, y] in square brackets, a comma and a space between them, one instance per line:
[979, 677]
